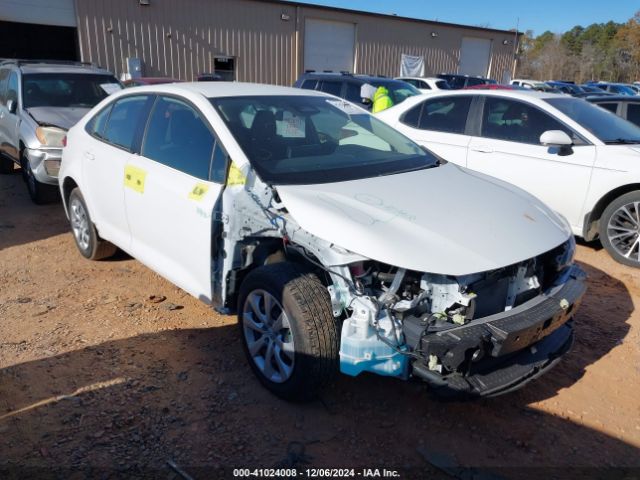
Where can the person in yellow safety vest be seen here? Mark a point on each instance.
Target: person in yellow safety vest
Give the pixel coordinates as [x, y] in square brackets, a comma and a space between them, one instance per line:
[381, 100]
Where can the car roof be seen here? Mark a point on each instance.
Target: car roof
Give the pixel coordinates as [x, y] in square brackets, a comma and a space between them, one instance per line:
[526, 94]
[225, 89]
[435, 79]
[613, 98]
[346, 76]
[43, 66]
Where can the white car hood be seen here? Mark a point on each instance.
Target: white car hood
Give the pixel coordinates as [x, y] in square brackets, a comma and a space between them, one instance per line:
[445, 220]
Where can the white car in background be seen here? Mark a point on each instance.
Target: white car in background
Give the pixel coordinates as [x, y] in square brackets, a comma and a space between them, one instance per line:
[581, 160]
[426, 84]
[334, 250]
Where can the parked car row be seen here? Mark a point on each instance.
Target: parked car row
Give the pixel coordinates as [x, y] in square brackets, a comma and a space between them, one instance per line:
[403, 244]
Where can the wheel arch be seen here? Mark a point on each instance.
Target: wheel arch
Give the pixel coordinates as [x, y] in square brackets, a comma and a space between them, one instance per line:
[68, 184]
[592, 219]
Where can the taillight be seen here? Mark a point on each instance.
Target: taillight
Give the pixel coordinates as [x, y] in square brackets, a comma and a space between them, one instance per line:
[64, 141]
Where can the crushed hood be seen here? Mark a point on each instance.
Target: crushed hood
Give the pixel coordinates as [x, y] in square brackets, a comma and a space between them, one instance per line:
[445, 220]
[58, 116]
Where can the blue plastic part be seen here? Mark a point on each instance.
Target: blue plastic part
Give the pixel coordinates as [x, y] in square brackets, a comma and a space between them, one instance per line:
[371, 355]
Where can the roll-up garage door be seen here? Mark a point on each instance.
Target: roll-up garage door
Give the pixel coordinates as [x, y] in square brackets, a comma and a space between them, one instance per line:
[38, 29]
[61, 13]
[329, 45]
[475, 54]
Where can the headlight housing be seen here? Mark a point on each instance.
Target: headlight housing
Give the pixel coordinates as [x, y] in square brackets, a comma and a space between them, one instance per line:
[565, 254]
[50, 136]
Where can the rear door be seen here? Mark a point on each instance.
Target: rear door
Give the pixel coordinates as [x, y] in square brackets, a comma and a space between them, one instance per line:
[509, 148]
[112, 133]
[9, 122]
[175, 183]
[440, 124]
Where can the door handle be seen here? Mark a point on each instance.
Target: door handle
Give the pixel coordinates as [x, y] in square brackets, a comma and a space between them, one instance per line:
[1, 115]
[89, 156]
[482, 149]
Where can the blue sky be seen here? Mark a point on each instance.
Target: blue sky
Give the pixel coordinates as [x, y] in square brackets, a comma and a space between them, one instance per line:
[536, 15]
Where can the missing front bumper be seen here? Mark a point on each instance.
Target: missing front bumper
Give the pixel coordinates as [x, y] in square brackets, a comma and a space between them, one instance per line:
[503, 352]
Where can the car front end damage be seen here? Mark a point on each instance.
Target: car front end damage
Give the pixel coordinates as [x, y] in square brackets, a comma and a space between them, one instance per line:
[479, 335]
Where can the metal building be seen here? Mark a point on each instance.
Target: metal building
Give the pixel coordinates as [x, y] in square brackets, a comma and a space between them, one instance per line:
[266, 41]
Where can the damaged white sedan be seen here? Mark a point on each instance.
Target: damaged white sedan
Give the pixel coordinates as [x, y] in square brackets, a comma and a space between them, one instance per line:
[341, 244]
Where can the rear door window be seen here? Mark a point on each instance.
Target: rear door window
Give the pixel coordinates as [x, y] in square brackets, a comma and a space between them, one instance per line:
[126, 116]
[309, 84]
[4, 77]
[633, 113]
[353, 92]
[612, 107]
[331, 87]
[178, 137]
[12, 88]
[446, 114]
[95, 126]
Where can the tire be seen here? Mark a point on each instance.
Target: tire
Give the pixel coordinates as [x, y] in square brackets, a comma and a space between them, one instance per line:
[311, 336]
[6, 165]
[91, 246]
[620, 229]
[40, 193]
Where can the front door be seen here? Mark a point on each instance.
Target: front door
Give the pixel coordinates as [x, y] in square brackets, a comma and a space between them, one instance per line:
[509, 148]
[175, 183]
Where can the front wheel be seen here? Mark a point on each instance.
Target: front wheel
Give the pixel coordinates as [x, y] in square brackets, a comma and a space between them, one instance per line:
[620, 229]
[40, 193]
[289, 334]
[91, 246]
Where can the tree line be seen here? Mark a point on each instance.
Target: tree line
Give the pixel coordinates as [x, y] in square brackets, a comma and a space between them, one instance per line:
[602, 51]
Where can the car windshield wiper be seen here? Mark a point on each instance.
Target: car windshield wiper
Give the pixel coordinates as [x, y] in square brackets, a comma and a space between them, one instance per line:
[622, 141]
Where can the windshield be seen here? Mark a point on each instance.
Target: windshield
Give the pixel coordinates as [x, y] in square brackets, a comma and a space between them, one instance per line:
[309, 140]
[398, 91]
[81, 90]
[607, 126]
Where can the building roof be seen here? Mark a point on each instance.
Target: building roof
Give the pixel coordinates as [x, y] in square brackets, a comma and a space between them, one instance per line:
[391, 16]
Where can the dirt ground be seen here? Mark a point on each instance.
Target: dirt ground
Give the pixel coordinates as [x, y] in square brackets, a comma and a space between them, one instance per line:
[97, 381]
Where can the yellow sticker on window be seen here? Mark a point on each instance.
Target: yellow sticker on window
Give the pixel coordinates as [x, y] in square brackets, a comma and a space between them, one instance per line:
[198, 192]
[134, 178]
[236, 177]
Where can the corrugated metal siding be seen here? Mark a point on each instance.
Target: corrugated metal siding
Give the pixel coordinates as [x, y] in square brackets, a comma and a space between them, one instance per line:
[180, 38]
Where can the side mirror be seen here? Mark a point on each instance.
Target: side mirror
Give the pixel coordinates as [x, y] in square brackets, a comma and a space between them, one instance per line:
[12, 106]
[555, 138]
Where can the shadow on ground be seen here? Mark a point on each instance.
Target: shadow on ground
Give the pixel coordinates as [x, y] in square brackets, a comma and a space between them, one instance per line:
[21, 221]
[125, 407]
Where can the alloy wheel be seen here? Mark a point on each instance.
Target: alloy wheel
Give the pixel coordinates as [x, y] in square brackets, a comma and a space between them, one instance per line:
[623, 231]
[268, 334]
[80, 224]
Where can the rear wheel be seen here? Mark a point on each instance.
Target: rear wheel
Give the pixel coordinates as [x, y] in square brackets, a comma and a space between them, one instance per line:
[91, 246]
[620, 229]
[289, 334]
[39, 192]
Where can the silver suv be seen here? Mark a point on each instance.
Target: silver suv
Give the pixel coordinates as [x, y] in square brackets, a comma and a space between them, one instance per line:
[39, 102]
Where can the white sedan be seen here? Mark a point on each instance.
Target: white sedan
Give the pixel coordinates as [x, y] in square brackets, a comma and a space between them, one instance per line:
[338, 241]
[426, 84]
[579, 159]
